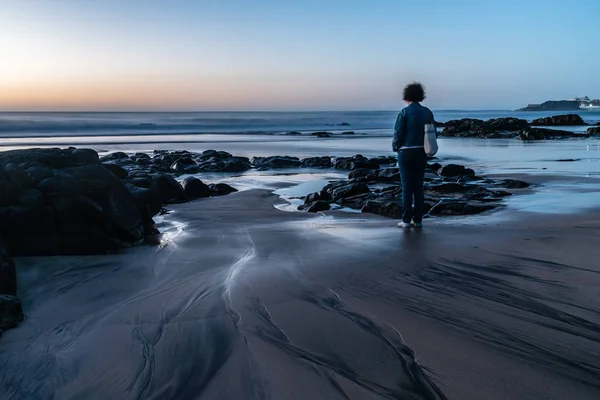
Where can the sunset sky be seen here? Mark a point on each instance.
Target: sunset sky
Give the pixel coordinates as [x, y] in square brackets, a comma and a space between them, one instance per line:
[294, 55]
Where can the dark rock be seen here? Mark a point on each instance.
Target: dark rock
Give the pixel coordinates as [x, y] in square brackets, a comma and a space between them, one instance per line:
[8, 273]
[221, 189]
[183, 165]
[433, 167]
[593, 131]
[448, 188]
[451, 207]
[319, 206]
[49, 158]
[344, 124]
[30, 230]
[169, 189]
[342, 189]
[348, 133]
[363, 173]
[195, 188]
[544, 134]
[389, 174]
[317, 162]
[17, 176]
[294, 133]
[321, 195]
[493, 128]
[276, 162]
[11, 312]
[387, 209]
[384, 160]
[220, 164]
[119, 155]
[452, 170]
[356, 202]
[73, 207]
[8, 193]
[321, 134]
[148, 202]
[31, 196]
[462, 127]
[117, 170]
[559, 120]
[355, 162]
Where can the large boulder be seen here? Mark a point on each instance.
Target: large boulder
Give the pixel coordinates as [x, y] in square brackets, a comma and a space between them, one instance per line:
[559, 120]
[58, 201]
[195, 188]
[169, 189]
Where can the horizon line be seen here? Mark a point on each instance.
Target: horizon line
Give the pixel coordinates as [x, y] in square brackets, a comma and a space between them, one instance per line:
[243, 111]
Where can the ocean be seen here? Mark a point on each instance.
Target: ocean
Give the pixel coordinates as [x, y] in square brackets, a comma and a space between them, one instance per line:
[53, 124]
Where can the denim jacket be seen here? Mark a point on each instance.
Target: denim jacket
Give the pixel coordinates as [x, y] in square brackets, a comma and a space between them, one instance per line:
[410, 126]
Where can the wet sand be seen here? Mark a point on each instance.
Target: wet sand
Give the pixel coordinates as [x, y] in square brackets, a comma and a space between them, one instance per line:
[243, 300]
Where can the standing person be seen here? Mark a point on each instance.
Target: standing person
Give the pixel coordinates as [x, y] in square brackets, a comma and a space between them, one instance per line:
[408, 143]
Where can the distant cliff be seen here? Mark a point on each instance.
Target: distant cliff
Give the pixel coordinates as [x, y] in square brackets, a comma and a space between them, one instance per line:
[560, 105]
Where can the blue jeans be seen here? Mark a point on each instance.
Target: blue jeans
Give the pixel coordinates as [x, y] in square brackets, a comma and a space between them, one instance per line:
[412, 172]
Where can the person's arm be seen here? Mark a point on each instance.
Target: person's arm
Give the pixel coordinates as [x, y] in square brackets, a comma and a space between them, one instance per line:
[433, 123]
[399, 132]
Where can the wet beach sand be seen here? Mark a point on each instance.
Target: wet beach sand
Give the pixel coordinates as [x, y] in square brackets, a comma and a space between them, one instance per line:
[243, 300]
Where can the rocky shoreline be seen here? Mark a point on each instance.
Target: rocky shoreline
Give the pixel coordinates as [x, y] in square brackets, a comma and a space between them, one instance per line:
[510, 127]
[373, 186]
[71, 201]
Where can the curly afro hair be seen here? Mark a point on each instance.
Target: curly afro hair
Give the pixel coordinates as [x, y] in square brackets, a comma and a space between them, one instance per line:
[414, 92]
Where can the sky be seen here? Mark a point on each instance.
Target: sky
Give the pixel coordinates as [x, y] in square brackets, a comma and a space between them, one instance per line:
[130, 55]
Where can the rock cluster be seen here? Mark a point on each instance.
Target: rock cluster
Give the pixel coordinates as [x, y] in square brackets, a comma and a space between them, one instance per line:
[449, 190]
[513, 127]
